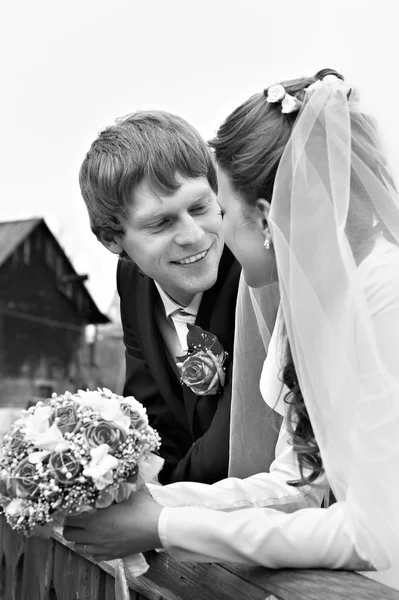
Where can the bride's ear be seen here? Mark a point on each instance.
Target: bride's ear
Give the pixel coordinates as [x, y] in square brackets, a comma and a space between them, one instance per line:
[110, 242]
[263, 207]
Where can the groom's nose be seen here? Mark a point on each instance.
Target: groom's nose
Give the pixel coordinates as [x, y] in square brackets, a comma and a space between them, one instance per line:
[189, 232]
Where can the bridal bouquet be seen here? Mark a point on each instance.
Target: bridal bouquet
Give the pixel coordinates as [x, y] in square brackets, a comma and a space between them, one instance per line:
[73, 453]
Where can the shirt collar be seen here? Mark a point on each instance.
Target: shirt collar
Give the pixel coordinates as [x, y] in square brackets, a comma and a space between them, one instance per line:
[171, 306]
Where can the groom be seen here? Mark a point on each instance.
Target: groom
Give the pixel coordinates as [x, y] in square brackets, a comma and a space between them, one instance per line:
[149, 185]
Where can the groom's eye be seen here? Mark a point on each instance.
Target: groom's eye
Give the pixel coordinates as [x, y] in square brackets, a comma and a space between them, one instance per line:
[159, 225]
[199, 208]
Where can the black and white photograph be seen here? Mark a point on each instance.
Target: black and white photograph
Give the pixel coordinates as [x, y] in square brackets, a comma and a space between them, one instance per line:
[199, 300]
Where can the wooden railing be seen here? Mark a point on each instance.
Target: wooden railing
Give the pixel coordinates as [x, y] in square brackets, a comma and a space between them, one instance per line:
[38, 569]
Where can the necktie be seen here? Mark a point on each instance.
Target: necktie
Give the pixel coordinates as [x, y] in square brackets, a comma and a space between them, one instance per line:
[180, 319]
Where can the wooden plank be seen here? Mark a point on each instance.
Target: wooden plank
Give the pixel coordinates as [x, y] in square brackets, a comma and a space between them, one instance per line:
[290, 584]
[37, 576]
[74, 576]
[13, 547]
[168, 579]
[141, 589]
[108, 587]
[2, 560]
[185, 579]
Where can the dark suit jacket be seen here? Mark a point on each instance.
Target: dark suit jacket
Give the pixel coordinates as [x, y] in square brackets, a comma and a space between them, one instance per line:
[194, 429]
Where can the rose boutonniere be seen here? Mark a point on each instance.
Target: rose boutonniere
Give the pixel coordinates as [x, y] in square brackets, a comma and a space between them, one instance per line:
[201, 369]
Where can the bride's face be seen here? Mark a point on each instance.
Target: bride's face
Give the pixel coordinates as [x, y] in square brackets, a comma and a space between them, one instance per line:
[243, 230]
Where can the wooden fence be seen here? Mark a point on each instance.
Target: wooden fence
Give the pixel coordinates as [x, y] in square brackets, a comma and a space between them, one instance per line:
[37, 569]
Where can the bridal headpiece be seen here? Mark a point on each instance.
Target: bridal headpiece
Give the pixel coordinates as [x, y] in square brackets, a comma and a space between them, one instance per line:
[289, 104]
[277, 93]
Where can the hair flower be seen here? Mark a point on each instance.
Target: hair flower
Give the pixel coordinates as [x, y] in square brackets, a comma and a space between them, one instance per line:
[289, 104]
[277, 93]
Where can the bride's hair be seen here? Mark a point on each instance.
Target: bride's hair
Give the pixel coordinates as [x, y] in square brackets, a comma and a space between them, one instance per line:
[248, 147]
[300, 427]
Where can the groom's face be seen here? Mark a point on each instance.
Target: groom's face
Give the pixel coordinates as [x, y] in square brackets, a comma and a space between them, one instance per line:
[176, 239]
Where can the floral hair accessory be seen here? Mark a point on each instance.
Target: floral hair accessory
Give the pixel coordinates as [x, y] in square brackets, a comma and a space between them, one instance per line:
[277, 93]
[201, 369]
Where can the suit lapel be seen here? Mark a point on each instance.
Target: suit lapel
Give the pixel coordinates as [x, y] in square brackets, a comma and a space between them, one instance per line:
[215, 314]
[210, 296]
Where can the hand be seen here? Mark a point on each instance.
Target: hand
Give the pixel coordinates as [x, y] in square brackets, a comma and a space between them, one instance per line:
[117, 531]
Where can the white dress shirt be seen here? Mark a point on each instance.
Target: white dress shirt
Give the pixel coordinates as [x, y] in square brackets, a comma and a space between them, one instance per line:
[173, 324]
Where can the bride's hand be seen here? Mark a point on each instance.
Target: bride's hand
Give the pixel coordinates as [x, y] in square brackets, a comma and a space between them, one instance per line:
[117, 531]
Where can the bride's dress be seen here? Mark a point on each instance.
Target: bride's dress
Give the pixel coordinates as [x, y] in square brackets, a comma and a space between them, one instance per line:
[237, 521]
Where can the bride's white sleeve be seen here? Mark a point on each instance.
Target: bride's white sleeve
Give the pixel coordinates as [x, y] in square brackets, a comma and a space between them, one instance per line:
[308, 538]
[260, 490]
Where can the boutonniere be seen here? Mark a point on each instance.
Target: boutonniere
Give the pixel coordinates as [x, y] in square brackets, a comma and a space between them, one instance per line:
[201, 369]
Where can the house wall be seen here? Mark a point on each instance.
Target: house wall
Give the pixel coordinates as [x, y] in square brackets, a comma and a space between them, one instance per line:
[110, 350]
[110, 358]
[41, 324]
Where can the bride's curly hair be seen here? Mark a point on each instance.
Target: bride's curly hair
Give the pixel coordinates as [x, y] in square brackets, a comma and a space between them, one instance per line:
[248, 147]
[300, 427]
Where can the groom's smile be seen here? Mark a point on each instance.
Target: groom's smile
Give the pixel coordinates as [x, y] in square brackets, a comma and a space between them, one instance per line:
[191, 259]
[176, 239]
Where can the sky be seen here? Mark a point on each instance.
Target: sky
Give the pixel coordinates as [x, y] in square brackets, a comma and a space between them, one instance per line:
[71, 68]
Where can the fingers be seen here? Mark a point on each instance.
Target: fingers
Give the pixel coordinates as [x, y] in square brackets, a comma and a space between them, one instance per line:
[87, 550]
[77, 537]
[93, 552]
[77, 521]
[74, 534]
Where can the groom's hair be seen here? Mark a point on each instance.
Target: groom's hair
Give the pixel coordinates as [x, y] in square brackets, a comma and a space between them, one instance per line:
[152, 146]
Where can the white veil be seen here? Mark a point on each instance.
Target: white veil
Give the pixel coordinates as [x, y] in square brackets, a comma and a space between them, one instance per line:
[254, 425]
[335, 226]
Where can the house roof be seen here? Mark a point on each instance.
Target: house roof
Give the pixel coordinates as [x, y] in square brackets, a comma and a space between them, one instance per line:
[13, 233]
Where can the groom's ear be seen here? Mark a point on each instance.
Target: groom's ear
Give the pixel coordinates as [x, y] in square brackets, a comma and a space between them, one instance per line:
[110, 241]
[263, 207]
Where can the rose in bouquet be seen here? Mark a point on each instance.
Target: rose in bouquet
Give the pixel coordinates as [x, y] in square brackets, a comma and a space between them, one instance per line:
[201, 369]
[73, 453]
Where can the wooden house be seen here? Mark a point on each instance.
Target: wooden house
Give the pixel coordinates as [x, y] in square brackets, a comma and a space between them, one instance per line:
[44, 310]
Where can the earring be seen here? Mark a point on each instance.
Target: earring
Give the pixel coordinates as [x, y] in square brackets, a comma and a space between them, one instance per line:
[266, 244]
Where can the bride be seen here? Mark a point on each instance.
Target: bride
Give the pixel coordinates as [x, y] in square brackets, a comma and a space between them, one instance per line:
[306, 198]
